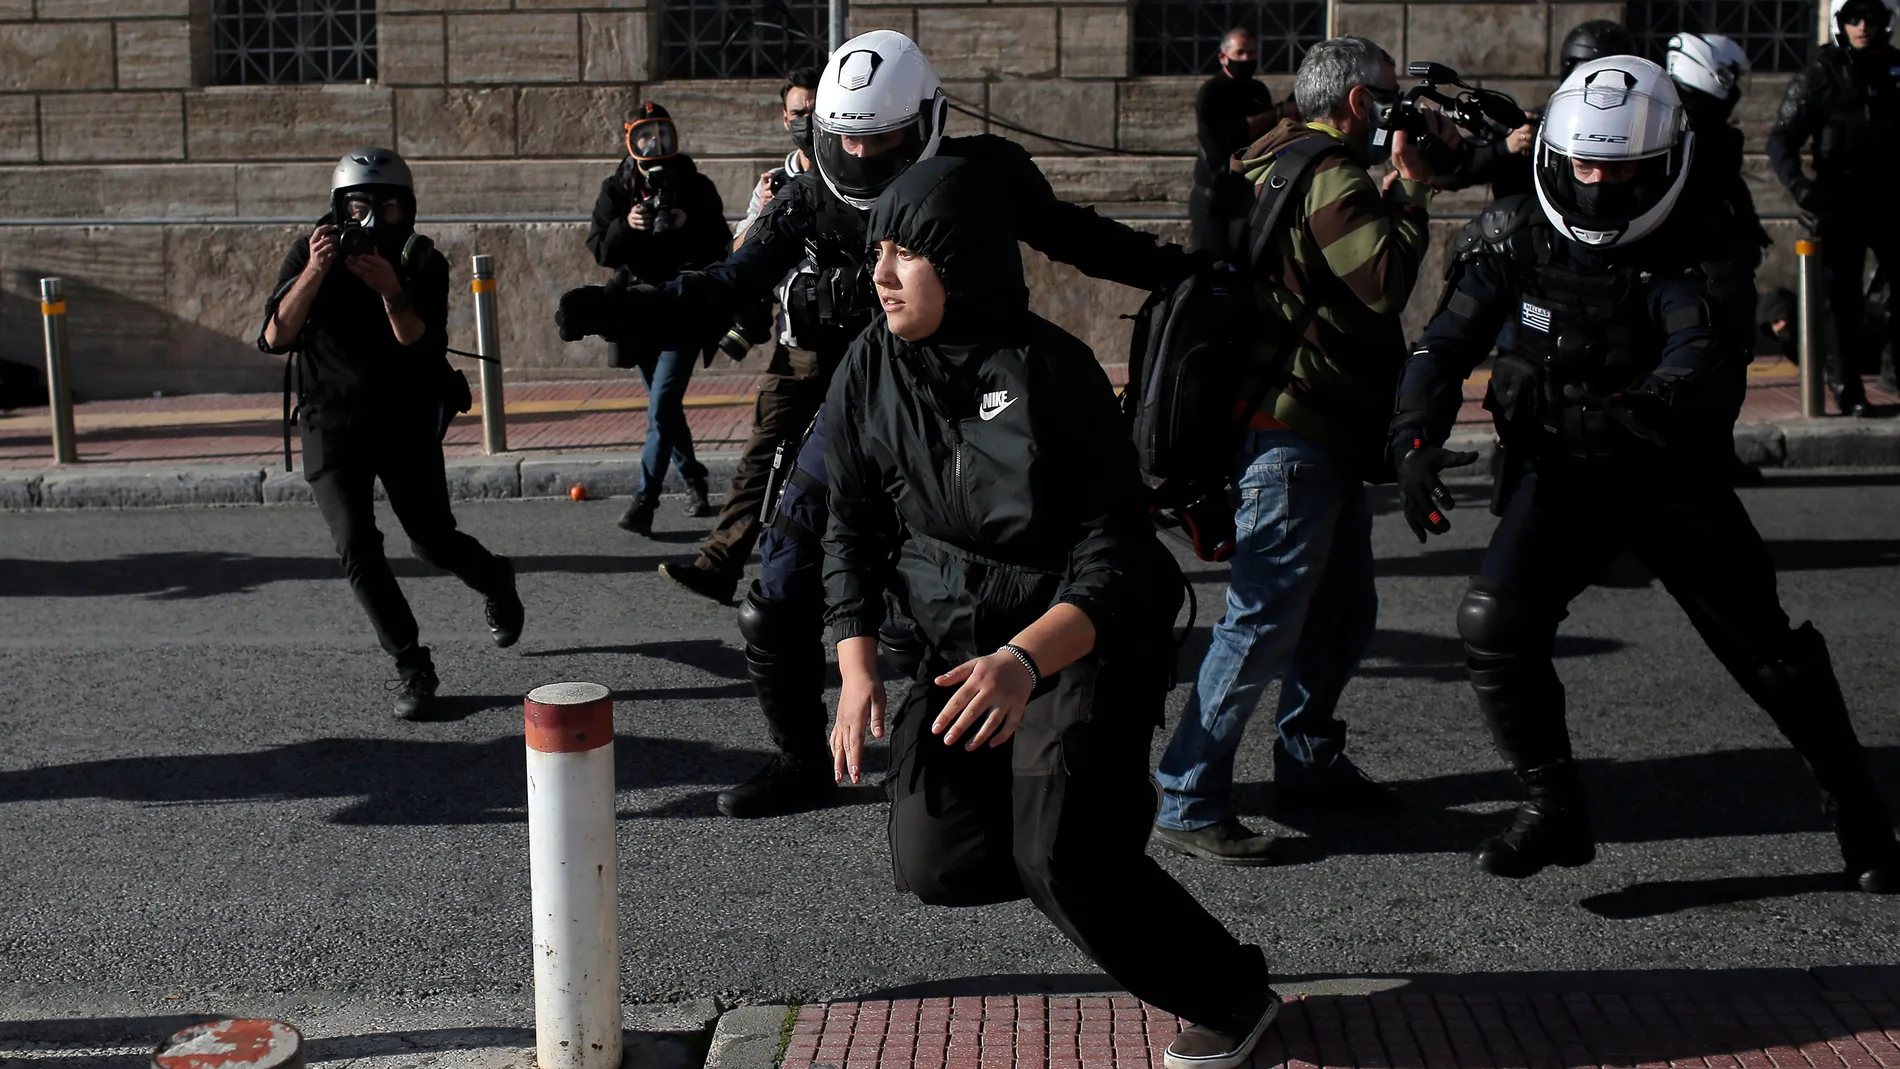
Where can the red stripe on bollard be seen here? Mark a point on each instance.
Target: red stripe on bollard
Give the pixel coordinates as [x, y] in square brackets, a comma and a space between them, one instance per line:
[569, 717]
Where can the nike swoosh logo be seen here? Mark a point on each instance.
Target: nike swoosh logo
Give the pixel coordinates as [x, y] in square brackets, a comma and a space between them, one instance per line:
[989, 413]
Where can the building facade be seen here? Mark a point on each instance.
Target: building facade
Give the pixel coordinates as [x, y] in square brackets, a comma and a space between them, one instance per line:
[161, 155]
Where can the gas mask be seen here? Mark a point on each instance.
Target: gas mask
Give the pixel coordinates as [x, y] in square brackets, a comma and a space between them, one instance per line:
[364, 229]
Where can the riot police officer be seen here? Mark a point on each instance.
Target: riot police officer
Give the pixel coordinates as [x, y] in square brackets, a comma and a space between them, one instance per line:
[1617, 403]
[364, 302]
[880, 108]
[1846, 102]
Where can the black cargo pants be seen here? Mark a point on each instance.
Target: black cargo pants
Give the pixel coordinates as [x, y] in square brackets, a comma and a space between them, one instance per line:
[1061, 814]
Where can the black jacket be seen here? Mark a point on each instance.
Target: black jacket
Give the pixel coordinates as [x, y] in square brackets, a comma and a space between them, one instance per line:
[655, 258]
[805, 215]
[350, 356]
[1847, 104]
[1221, 110]
[990, 459]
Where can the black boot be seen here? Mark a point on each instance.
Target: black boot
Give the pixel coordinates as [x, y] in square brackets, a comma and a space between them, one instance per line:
[504, 609]
[706, 582]
[785, 658]
[639, 515]
[1801, 693]
[1523, 704]
[698, 498]
[415, 694]
[1552, 828]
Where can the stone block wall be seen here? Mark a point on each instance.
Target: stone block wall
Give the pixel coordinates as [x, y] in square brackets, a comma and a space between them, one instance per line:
[166, 202]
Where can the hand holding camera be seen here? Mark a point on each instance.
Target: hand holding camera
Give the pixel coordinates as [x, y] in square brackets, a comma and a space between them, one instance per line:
[377, 273]
[1417, 147]
[323, 251]
[1434, 134]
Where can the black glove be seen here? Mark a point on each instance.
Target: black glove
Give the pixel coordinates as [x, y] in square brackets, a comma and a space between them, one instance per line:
[1422, 496]
[1643, 411]
[584, 311]
[1810, 197]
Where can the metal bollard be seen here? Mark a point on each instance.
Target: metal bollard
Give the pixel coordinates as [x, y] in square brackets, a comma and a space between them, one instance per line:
[58, 385]
[575, 876]
[1809, 334]
[488, 343]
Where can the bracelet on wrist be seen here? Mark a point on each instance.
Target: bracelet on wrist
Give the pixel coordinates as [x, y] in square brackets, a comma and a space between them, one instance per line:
[1022, 656]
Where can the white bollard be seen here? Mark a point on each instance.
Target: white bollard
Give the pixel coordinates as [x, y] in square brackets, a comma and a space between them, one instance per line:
[575, 875]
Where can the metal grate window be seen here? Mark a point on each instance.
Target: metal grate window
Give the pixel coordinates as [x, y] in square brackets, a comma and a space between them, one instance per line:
[1183, 36]
[1778, 35]
[740, 39]
[274, 42]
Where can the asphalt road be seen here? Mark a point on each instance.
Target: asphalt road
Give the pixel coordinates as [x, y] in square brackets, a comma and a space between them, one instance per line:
[201, 789]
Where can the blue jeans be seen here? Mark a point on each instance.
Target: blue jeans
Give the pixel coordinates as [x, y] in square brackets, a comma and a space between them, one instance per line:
[1301, 605]
[668, 437]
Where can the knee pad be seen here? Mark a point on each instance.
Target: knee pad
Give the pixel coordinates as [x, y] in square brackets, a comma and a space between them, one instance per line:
[774, 627]
[1492, 620]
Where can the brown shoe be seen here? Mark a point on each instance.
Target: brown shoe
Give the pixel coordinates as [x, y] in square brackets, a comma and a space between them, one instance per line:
[1228, 843]
[1203, 1047]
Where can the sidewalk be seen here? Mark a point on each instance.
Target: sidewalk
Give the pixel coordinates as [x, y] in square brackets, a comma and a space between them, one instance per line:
[1385, 1029]
[228, 448]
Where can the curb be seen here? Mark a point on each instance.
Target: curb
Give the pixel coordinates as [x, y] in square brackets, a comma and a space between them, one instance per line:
[1803, 444]
[748, 1037]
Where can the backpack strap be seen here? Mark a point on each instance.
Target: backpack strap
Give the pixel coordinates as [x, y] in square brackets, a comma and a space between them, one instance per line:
[1285, 177]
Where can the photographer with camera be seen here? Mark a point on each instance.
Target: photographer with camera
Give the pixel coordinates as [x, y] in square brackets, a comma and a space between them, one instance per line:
[794, 383]
[1331, 283]
[375, 394]
[655, 217]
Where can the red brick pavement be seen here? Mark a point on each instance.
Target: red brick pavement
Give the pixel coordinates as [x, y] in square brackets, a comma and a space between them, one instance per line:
[543, 417]
[1388, 1030]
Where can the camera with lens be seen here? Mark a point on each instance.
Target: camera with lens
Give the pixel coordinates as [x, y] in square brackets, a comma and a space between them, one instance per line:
[659, 204]
[354, 239]
[1480, 113]
[749, 328]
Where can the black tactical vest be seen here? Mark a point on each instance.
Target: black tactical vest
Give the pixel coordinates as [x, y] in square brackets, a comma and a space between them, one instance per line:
[831, 305]
[1861, 138]
[1580, 333]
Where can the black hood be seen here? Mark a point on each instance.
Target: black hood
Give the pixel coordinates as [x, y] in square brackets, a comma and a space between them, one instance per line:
[956, 214]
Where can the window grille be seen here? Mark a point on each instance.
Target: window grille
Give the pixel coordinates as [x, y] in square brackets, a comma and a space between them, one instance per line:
[1778, 35]
[1183, 36]
[740, 39]
[274, 42]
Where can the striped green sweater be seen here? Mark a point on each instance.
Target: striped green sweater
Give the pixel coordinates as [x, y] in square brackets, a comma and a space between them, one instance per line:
[1352, 254]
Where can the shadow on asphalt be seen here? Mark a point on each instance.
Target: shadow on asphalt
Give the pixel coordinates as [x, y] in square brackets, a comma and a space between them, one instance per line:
[1660, 897]
[168, 576]
[1406, 654]
[1689, 796]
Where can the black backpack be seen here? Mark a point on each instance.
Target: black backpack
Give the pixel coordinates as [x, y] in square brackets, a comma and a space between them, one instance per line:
[1192, 357]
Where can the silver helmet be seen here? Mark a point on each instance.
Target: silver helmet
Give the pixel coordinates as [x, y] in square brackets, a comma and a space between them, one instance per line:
[1622, 114]
[876, 83]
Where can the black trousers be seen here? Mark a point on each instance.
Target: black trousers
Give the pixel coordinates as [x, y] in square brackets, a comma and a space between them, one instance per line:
[1563, 525]
[787, 400]
[1061, 814]
[344, 455]
[1844, 248]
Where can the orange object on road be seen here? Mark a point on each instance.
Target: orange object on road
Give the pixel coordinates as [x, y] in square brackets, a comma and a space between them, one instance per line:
[577, 492]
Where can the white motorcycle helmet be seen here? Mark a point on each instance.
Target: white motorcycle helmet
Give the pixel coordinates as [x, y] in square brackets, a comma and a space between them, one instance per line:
[1835, 8]
[1708, 63]
[875, 83]
[1622, 112]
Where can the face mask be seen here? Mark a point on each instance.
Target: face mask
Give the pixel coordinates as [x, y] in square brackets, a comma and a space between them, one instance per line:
[1241, 69]
[801, 132]
[1605, 201]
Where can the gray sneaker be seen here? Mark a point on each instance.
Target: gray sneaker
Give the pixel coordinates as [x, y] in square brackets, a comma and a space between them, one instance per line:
[1227, 843]
[1201, 1047]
